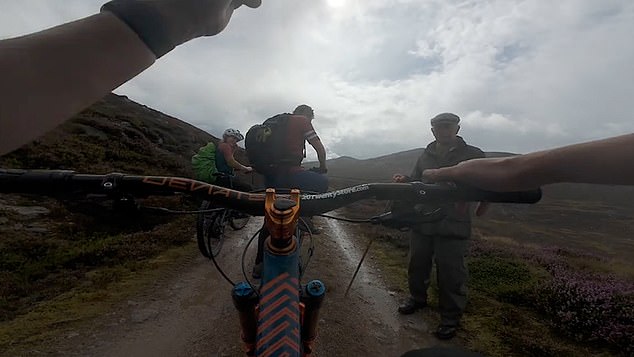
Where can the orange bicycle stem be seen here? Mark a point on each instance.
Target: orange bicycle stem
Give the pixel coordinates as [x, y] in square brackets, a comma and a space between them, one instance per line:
[281, 216]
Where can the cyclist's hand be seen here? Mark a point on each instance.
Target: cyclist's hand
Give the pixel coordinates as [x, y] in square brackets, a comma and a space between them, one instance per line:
[248, 169]
[319, 170]
[489, 174]
[206, 17]
[399, 178]
[177, 21]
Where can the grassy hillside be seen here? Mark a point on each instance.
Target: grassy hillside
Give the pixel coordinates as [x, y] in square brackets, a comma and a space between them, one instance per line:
[348, 170]
[115, 134]
[50, 248]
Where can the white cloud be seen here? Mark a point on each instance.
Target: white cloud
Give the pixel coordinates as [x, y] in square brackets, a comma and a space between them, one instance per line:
[523, 74]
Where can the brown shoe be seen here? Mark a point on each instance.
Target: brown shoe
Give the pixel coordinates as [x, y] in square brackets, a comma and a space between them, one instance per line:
[410, 306]
[446, 332]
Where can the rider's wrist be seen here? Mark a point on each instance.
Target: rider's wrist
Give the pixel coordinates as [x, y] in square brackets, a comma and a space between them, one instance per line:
[153, 24]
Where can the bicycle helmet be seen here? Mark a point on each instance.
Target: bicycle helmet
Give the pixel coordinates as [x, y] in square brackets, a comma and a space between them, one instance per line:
[235, 133]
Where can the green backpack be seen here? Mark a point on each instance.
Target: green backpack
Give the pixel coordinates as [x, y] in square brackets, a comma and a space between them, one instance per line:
[204, 163]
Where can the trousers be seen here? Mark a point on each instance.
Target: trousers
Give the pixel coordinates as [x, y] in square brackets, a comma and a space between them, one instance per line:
[448, 252]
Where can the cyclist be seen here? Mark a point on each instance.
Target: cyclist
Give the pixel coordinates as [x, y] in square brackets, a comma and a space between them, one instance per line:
[300, 130]
[49, 76]
[216, 164]
[291, 174]
[212, 159]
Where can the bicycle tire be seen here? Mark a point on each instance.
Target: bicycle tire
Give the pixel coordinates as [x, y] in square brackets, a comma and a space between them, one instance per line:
[215, 235]
[237, 223]
[200, 236]
[209, 231]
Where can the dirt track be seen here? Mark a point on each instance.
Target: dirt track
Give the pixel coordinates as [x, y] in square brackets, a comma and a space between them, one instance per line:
[188, 312]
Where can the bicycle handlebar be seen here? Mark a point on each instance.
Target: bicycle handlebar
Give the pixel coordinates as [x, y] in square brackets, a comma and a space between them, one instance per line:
[56, 182]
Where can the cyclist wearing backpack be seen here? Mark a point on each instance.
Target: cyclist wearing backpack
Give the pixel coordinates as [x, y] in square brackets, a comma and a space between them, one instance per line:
[212, 159]
[276, 149]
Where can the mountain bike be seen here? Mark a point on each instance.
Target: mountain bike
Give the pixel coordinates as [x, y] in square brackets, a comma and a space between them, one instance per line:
[279, 316]
[212, 220]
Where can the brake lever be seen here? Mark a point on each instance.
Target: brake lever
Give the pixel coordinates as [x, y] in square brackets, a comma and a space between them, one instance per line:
[404, 222]
[125, 204]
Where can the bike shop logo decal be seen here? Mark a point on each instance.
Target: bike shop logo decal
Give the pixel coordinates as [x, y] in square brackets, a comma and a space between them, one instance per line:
[333, 194]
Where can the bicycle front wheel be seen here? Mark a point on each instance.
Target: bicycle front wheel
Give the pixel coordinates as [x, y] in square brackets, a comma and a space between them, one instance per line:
[210, 231]
[238, 220]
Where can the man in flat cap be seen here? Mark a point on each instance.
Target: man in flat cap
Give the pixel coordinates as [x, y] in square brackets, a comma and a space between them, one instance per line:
[445, 241]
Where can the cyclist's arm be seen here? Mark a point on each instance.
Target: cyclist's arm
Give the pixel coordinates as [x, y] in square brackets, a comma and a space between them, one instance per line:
[607, 161]
[227, 152]
[50, 75]
[315, 142]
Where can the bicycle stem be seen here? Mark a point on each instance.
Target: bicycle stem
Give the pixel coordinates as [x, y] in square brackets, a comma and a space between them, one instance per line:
[280, 218]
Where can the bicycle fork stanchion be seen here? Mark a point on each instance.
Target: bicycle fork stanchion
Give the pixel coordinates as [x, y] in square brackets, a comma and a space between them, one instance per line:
[245, 300]
[312, 297]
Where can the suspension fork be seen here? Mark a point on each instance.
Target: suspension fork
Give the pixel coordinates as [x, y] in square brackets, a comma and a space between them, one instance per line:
[287, 314]
[312, 296]
[279, 316]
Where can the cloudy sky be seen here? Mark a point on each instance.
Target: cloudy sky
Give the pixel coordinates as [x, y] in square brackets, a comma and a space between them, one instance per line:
[522, 74]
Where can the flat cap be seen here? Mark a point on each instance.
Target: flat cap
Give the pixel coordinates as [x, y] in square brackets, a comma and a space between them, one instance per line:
[445, 118]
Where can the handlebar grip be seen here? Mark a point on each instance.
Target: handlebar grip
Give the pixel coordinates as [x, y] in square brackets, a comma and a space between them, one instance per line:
[475, 194]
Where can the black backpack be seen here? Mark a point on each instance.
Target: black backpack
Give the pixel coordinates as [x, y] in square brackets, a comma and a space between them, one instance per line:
[266, 145]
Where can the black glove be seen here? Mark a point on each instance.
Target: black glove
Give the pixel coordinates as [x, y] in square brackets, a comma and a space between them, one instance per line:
[165, 24]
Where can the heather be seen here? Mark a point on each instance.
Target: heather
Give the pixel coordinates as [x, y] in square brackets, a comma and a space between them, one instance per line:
[582, 304]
